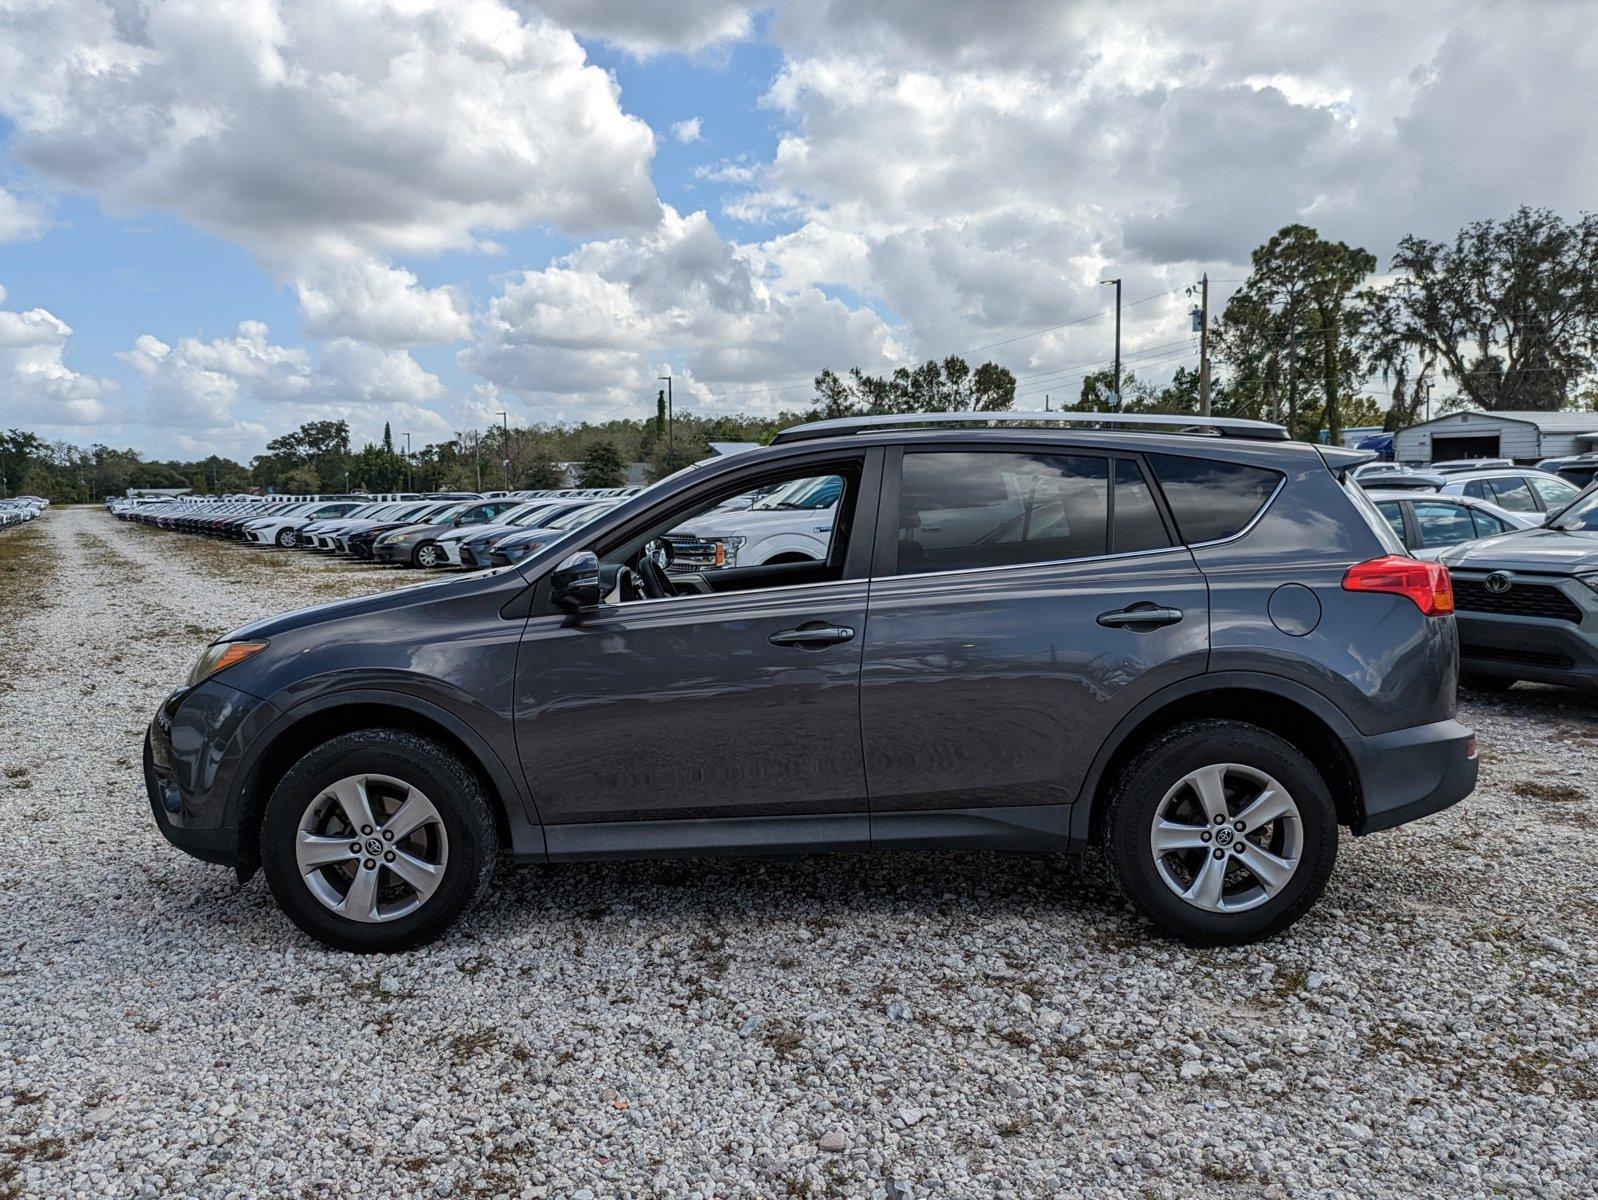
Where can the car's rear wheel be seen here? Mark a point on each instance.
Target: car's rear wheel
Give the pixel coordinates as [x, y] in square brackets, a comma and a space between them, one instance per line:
[1221, 832]
[377, 841]
[286, 538]
[427, 554]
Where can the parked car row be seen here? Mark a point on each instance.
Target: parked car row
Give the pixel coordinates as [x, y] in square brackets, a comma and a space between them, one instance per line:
[452, 529]
[20, 509]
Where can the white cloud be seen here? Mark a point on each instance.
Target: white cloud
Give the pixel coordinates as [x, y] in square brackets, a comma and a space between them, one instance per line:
[19, 218]
[37, 389]
[309, 129]
[587, 335]
[383, 305]
[649, 27]
[223, 391]
[687, 132]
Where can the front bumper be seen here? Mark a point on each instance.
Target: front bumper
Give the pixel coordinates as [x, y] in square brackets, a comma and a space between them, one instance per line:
[193, 752]
[1561, 649]
[1411, 773]
[399, 552]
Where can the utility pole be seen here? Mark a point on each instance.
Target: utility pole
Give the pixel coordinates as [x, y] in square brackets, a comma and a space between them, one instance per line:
[504, 421]
[1429, 386]
[410, 473]
[1045, 402]
[1204, 345]
[670, 419]
[1116, 388]
[477, 457]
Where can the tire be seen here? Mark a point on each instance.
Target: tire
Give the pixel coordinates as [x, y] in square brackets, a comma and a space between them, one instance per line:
[1487, 683]
[426, 555]
[286, 538]
[1163, 779]
[458, 835]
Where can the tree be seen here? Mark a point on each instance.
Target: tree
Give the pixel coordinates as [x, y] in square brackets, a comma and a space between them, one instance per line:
[1295, 306]
[947, 386]
[602, 467]
[1509, 311]
[543, 471]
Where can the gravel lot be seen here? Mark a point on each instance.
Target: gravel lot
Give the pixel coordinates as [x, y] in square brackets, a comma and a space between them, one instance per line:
[961, 1025]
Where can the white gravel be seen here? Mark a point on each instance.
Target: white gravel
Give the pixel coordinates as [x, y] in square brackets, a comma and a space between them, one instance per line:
[906, 1026]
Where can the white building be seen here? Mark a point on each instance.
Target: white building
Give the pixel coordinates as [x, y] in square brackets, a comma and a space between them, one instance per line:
[1522, 436]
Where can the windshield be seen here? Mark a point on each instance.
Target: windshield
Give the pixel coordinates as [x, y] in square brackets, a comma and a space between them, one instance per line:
[808, 493]
[444, 515]
[578, 517]
[1580, 514]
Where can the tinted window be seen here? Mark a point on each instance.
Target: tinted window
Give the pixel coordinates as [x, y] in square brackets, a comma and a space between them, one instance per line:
[1513, 494]
[1486, 524]
[1210, 499]
[1477, 489]
[1442, 524]
[1137, 518]
[959, 510]
[1553, 491]
[1394, 514]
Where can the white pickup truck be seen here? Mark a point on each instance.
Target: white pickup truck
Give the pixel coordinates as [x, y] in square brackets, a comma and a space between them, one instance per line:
[790, 525]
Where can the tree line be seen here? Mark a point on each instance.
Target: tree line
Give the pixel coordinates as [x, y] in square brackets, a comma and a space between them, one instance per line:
[1504, 317]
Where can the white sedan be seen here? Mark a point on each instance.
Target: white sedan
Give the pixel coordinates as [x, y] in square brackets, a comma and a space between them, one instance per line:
[1430, 524]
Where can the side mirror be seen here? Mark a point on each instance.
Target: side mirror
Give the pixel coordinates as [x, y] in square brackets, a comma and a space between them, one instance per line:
[575, 583]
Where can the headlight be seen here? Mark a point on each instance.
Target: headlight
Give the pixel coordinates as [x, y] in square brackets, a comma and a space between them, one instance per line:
[388, 539]
[222, 656]
[1590, 579]
[523, 549]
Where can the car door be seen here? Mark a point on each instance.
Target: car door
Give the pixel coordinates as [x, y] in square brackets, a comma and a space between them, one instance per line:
[721, 703]
[997, 662]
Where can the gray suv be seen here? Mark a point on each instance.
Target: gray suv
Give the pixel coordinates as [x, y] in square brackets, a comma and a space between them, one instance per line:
[1197, 646]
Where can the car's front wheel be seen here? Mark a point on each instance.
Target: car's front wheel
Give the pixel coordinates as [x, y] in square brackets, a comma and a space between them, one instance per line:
[1221, 832]
[427, 555]
[377, 841]
[286, 538]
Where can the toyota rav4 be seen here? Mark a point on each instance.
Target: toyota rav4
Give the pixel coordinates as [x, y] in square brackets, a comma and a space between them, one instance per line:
[1196, 645]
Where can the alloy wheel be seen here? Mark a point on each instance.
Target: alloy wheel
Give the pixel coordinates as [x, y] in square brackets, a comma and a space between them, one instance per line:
[1226, 838]
[371, 848]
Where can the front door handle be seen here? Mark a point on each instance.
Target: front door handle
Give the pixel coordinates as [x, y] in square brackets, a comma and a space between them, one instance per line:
[813, 636]
[1140, 616]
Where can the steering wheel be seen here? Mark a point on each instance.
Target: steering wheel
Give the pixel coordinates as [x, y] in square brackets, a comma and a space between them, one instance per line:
[656, 585]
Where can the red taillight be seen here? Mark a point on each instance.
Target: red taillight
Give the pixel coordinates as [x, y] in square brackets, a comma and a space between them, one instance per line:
[1426, 583]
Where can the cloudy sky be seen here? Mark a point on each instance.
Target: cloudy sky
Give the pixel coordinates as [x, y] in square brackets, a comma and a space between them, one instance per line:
[220, 220]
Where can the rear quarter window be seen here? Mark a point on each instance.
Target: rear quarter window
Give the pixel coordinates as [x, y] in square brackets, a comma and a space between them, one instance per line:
[1210, 499]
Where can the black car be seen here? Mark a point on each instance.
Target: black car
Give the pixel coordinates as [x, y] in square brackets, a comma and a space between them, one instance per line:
[1203, 650]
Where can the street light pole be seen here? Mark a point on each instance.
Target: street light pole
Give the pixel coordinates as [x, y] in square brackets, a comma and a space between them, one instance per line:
[1117, 375]
[504, 421]
[410, 471]
[670, 420]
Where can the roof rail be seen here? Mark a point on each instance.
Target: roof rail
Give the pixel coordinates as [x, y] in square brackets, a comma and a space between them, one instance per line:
[1234, 427]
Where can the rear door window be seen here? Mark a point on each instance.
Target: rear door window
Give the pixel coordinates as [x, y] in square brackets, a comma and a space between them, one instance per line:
[1442, 524]
[1210, 499]
[1486, 524]
[960, 510]
[1513, 494]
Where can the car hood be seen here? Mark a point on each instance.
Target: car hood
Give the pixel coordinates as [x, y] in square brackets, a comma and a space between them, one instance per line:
[755, 521]
[396, 598]
[1551, 551]
[528, 535]
[488, 529]
[418, 530]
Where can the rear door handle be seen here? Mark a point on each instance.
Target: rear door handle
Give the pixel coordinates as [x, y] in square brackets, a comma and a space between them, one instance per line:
[1134, 617]
[813, 636]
